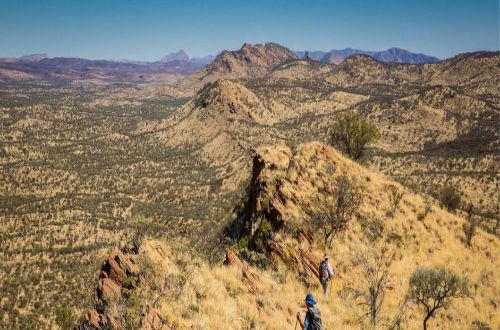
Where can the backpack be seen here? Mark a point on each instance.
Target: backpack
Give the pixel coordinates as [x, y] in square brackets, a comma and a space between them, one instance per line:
[324, 274]
[314, 319]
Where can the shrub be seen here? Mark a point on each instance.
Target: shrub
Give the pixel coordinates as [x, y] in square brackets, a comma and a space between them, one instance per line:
[395, 196]
[352, 134]
[65, 318]
[471, 225]
[479, 325]
[449, 197]
[434, 288]
[373, 229]
[374, 267]
[427, 209]
[261, 235]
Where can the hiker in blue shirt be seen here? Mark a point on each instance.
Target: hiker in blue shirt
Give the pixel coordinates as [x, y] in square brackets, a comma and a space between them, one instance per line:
[312, 320]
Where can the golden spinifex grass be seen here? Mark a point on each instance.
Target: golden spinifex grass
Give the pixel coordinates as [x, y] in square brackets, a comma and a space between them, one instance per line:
[195, 294]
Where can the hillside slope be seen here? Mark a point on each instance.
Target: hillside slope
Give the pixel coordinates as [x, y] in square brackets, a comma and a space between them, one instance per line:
[438, 121]
[160, 287]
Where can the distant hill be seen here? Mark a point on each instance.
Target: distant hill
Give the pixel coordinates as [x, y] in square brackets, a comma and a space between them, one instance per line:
[177, 56]
[25, 58]
[398, 55]
[171, 67]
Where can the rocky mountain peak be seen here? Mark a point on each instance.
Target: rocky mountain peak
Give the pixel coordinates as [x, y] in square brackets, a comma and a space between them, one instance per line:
[175, 56]
[252, 60]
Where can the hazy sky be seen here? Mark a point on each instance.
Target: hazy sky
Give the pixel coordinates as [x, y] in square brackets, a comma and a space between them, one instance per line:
[147, 29]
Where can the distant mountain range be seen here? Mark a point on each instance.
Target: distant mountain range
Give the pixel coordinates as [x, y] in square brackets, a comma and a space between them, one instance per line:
[178, 64]
[181, 56]
[39, 66]
[398, 55]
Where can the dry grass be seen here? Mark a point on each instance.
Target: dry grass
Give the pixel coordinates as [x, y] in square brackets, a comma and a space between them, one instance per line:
[218, 296]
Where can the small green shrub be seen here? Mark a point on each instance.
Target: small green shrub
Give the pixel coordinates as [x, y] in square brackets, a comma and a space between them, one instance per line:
[352, 134]
[65, 318]
[449, 197]
[470, 226]
[261, 235]
[395, 196]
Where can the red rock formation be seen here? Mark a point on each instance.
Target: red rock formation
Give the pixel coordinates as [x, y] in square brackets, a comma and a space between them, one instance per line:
[274, 191]
[118, 271]
[250, 277]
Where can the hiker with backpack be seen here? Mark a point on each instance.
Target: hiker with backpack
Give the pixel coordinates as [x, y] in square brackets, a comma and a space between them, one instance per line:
[312, 320]
[325, 273]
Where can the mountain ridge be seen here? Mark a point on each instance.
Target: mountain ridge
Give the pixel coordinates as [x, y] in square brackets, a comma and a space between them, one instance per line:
[178, 65]
[394, 54]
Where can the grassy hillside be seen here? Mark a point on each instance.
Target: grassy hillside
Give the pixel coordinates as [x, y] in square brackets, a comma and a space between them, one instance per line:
[179, 290]
[85, 165]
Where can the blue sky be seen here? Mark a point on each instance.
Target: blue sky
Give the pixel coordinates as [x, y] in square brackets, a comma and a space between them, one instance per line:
[147, 29]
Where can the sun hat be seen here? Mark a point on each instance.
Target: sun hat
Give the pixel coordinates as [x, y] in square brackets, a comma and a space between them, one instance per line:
[310, 299]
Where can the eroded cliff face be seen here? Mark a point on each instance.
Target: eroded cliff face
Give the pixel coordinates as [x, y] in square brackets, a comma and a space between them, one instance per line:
[284, 187]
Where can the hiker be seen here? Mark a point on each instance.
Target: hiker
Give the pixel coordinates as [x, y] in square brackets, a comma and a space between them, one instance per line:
[325, 273]
[312, 320]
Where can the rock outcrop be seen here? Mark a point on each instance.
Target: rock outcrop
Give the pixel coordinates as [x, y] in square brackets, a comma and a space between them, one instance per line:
[284, 185]
[119, 278]
[249, 275]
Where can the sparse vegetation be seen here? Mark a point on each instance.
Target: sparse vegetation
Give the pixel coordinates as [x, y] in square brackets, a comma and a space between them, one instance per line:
[261, 236]
[65, 318]
[427, 209]
[352, 134]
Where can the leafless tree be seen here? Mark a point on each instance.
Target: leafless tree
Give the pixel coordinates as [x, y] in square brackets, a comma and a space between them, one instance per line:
[400, 316]
[373, 266]
[334, 213]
